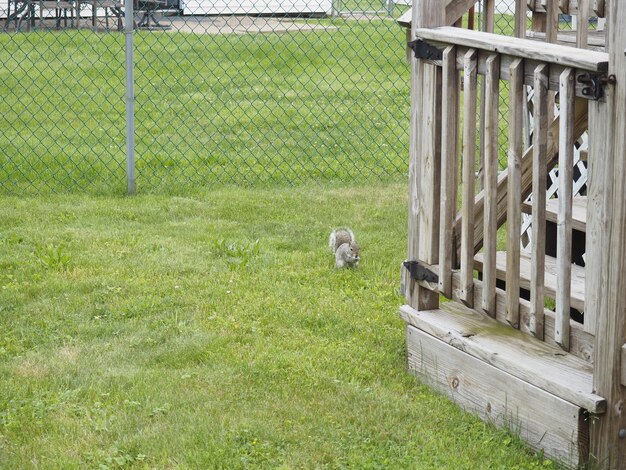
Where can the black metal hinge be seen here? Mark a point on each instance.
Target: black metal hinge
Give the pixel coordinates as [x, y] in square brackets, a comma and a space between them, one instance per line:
[419, 272]
[423, 50]
[595, 84]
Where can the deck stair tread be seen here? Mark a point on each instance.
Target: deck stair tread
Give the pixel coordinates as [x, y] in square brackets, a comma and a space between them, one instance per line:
[550, 280]
[518, 354]
[579, 211]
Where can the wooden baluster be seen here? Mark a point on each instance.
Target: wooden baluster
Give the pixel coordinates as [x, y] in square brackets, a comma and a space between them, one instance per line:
[470, 79]
[582, 24]
[489, 15]
[540, 170]
[564, 217]
[449, 167]
[552, 20]
[490, 143]
[520, 18]
[514, 193]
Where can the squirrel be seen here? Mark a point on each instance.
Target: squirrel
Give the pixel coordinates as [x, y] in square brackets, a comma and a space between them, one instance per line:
[345, 248]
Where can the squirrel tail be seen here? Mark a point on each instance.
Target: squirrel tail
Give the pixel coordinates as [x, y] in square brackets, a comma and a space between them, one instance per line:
[332, 240]
[338, 237]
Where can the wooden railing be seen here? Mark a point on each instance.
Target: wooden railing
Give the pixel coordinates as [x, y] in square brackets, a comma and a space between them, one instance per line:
[461, 232]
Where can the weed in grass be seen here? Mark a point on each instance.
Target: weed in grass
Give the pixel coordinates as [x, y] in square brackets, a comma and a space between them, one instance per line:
[52, 257]
[237, 254]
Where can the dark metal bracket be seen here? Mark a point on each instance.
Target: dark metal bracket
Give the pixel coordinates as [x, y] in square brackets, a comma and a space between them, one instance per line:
[423, 50]
[419, 272]
[594, 84]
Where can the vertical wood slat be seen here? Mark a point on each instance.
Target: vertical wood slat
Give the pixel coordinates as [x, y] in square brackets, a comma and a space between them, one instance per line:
[540, 170]
[582, 24]
[552, 20]
[430, 167]
[564, 216]
[514, 194]
[488, 25]
[470, 76]
[449, 166]
[489, 16]
[490, 143]
[520, 19]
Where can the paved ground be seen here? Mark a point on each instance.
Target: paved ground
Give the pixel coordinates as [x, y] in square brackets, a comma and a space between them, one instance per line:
[197, 24]
[236, 24]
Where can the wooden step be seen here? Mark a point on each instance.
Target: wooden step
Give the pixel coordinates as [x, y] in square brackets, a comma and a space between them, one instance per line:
[507, 378]
[579, 211]
[578, 276]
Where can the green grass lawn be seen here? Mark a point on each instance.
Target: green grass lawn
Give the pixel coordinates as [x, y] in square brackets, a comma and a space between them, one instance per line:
[157, 332]
[329, 105]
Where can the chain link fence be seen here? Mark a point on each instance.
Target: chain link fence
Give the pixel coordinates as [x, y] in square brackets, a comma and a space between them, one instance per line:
[242, 92]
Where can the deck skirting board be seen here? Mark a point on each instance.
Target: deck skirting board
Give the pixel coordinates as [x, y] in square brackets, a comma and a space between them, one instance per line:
[547, 423]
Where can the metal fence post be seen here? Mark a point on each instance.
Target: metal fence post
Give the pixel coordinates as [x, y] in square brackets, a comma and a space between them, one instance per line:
[130, 96]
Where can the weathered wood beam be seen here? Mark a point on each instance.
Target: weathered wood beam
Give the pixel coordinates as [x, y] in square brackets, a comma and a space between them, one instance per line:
[592, 61]
[449, 167]
[581, 342]
[512, 351]
[424, 159]
[608, 433]
[551, 425]
[455, 9]
[564, 217]
[539, 179]
[490, 145]
[468, 177]
[514, 196]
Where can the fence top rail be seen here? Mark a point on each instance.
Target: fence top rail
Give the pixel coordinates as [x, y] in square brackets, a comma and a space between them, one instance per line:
[581, 59]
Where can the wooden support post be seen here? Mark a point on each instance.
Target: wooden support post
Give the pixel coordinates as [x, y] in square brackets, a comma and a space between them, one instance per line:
[514, 194]
[490, 143]
[564, 216]
[608, 431]
[597, 215]
[449, 168]
[540, 170]
[424, 164]
[470, 75]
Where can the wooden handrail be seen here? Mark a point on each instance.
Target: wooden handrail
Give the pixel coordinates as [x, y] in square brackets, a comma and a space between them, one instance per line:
[592, 61]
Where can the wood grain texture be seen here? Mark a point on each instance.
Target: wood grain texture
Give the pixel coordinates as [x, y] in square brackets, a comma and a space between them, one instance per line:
[581, 342]
[449, 168]
[522, 48]
[546, 422]
[539, 186]
[564, 223]
[490, 143]
[514, 190]
[582, 24]
[511, 351]
[520, 19]
[468, 176]
[427, 14]
[579, 211]
[606, 445]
